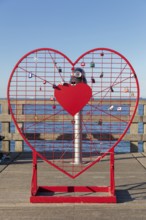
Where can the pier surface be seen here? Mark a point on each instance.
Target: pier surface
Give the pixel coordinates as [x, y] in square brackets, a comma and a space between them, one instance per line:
[130, 180]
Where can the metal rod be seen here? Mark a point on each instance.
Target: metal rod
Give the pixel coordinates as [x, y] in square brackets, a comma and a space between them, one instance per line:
[112, 177]
[34, 186]
[78, 138]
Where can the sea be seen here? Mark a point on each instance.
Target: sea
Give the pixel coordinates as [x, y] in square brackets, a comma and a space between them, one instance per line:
[122, 147]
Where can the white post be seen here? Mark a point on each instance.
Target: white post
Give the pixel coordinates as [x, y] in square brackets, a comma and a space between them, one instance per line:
[78, 138]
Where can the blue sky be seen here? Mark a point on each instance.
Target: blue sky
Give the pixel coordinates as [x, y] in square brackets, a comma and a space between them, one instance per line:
[72, 27]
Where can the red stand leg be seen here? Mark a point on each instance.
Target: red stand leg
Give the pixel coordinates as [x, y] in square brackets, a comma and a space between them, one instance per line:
[34, 186]
[54, 194]
[112, 177]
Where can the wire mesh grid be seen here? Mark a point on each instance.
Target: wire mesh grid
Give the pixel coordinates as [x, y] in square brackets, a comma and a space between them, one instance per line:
[49, 129]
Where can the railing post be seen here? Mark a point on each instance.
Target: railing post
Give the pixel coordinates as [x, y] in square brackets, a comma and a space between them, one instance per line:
[18, 146]
[144, 143]
[5, 127]
[133, 130]
[144, 146]
[5, 132]
[5, 109]
[18, 143]
[134, 144]
[5, 146]
[144, 111]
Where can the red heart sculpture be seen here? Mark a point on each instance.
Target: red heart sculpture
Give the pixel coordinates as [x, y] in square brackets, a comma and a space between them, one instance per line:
[72, 145]
[73, 97]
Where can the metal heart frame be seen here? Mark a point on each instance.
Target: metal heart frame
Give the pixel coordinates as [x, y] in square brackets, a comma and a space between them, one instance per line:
[49, 130]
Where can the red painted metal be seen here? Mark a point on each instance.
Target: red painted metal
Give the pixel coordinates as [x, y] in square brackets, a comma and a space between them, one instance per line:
[73, 194]
[34, 186]
[112, 177]
[73, 98]
[110, 76]
[49, 128]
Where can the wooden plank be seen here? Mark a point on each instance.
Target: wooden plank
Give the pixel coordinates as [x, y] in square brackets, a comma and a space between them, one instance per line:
[5, 118]
[93, 102]
[37, 118]
[69, 136]
[86, 118]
